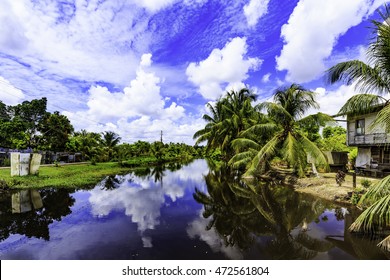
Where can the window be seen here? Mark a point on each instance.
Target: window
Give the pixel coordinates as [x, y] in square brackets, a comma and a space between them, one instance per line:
[360, 127]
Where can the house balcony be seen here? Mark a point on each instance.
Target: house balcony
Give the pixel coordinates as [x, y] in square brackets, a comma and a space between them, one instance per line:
[367, 139]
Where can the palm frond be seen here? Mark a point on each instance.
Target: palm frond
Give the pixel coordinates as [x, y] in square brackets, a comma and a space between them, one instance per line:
[239, 191]
[365, 77]
[264, 155]
[374, 218]
[382, 120]
[295, 99]
[242, 159]
[275, 111]
[294, 154]
[361, 104]
[376, 191]
[261, 206]
[313, 151]
[385, 244]
[260, 129]
[319, 119]
[240, 144]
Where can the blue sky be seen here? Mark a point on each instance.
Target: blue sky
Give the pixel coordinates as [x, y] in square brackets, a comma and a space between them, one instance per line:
[137, 67]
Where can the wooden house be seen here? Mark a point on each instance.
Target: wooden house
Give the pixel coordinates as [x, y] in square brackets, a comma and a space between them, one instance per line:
[372, 142]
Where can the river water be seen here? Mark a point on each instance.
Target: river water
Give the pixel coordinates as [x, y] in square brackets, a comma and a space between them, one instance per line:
[177, 212]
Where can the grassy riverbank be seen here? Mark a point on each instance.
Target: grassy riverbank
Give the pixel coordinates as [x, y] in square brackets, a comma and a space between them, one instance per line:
[72, 176]
[66, 176]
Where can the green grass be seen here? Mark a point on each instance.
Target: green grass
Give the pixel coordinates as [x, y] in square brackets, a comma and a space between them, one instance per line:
[67, 176]
[72, 176]
[75, 176]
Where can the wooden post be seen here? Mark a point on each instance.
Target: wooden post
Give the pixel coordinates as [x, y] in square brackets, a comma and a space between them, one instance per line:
[354, 179]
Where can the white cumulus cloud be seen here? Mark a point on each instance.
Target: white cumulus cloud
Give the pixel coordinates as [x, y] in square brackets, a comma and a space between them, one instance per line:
[312, 31]
[331, 101]
[222, 69]
[141, 98]
[154, 5]
[138, 112]
[254, 10]
[266, 78]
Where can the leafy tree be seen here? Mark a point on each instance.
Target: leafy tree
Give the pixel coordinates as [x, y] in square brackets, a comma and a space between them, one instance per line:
[29, 115]
[287, 138]
[229, 116]
[55, 131]
[330, 131]
[334, 139]
[5, 129]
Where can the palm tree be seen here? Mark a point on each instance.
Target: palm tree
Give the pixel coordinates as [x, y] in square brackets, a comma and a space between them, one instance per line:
[374, 76]
[371, 77]
[285, 131]
[109, 141]
[85, 142]
[229, 116]
[376, 218]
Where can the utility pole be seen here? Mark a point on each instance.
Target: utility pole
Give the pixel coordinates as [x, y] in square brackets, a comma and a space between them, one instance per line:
[161, 136]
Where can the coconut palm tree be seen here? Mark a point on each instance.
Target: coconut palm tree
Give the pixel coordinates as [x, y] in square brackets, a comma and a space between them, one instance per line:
[285, 130]
[376, 218]
[109, 141]
[371, 77]
[229, 116]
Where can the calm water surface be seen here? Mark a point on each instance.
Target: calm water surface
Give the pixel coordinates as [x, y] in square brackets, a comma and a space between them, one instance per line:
[177, 212]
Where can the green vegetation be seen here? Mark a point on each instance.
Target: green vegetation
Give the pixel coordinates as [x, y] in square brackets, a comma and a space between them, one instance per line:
[29, 125]
[67, 176]
[249, 139]
[285, 130]
[229, 117]
[371, 77]
[334, 138]
[240, 210]
[74, 176]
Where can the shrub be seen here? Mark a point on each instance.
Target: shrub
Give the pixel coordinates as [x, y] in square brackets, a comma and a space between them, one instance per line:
[366, 183]
[355, 198]
[340, 177]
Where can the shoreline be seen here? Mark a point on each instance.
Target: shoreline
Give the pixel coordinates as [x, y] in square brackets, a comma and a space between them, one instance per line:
[325, 187]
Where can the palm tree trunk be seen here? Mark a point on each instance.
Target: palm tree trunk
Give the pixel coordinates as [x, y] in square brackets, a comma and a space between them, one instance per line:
[313, 167]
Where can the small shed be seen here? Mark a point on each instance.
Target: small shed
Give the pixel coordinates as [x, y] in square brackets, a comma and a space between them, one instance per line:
[337, 160]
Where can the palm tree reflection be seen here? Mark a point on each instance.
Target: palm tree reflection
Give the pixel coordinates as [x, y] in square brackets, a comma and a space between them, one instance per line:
[263, 216]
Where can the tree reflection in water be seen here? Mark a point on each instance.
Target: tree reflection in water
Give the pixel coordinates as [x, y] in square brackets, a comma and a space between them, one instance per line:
[27, 220]
[241, 212]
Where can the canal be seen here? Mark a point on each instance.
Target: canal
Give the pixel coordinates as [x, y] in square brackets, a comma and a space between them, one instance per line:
[177, 211]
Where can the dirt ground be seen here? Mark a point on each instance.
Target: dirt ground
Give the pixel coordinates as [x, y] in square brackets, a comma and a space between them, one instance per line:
[325, 186]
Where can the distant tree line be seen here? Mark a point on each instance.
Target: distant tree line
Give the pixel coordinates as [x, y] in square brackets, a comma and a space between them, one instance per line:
[30, 126]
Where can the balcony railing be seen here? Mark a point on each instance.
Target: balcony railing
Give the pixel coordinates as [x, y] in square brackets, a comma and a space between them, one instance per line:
[368, 139]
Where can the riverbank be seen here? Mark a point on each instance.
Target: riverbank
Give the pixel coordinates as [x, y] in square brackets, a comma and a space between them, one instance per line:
[84, 175]
[65, 176]
[87, 175]
[325, 186]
